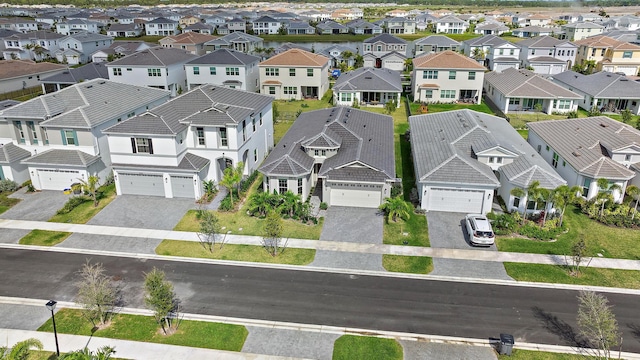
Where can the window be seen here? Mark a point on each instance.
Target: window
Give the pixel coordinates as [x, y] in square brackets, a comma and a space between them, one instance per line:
[448, 94]
[300, 186]
[428, 94]
[495, 160]
[196, 70]
[154, 72]
[585, 186]
[223, 137]
[564, 104]
[316, 152]
[310, 72]
[514, 101]
[289, 90]
[292, 72]
[430, 74]
[513, 51]
[272, 90]
[627, 54]
[69, 137]
[117, 71]
[282, 186]
[554, 162]
[345, 97]
[452, 75]
[32, 129]
[20, 132]
[472, 75]
[141, 145]
[323, 152]
[255, 155]
[212, 70]
[516, 202]
[602, 52]
[244, 130]
[232, 71]
[253, 123]
[260, 119]
[272, 71]
[593, 52]
[627, 157]
[200, 135]
[501, 52]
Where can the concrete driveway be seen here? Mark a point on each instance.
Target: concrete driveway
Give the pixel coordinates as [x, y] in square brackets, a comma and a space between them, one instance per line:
[447, 230]
[350, 224]
[36, 206]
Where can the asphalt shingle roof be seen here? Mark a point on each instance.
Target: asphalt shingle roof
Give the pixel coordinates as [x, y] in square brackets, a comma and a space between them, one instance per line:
[369, 79]
[526, 84]
[385, 38]
[189, 163]
[155, 56]
[62, 157]
[438, 40]
[601, 85]
[10, 153]
[224, 57]
[83, 73]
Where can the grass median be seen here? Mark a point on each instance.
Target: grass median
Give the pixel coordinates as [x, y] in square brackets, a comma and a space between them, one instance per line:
[558, 274]
[348, 347]
[253, 253]
[518, 354]
[200, 334]
[84, 212]
[44, 237]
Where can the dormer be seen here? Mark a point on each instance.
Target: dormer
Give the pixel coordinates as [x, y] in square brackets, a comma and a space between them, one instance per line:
[323, 145]
[626, 155]
[493, 155]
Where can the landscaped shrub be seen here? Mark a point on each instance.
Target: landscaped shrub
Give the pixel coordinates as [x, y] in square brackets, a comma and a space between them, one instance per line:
[8, 185]
[323, 206]
[225, 204]
[621, 215]
[246, 184]
[503, 224]
[72, 203]
[531, 230]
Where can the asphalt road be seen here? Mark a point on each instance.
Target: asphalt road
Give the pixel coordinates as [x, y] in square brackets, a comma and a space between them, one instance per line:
[369, 302]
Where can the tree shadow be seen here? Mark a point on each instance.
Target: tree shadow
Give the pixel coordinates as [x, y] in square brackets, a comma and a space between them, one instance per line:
[635, 330]
[559, 327]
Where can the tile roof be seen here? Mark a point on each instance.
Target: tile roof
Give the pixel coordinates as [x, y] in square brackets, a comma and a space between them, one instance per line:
[446, 60]
[438, 40]
[75, 75]
[36, 35]
[601, 85]
[189, 163]
[490, 40]
[369, 79]
[584, 142]
[207, 105]
[161, 20]
[364, 137]
[296, 57]
[224, 57]
[188, 38]
[84, 37]
[11, 152]
[584, 25]
[526, 84]
[15, 68]
[385, 38]
[155, 56]
[62, 157]
[234, 37]
[545, 41]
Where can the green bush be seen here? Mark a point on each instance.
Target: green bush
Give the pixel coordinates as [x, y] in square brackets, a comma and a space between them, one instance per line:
[225, 204]
[323, 206]
[503, 224]
[7, 185]
[72, 203]
[246, 184]
[534, 231]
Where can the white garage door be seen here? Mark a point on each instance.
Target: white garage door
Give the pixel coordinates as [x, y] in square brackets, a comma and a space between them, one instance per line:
[355, 198]
[456, 200]
[182, 186]
[57, 179]
[627, 70]
[141, 184]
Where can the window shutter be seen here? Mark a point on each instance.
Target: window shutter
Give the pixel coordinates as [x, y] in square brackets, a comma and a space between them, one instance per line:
[133, 145]
[64, 138]
[75, 138]
[150, 147]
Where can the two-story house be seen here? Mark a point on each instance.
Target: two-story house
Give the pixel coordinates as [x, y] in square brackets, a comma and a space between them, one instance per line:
[63, 130]
[190, 41]
[609, 55]
[158, 67]
[433, 44]
[266, 25]
[491, 28]
[170, 150]
[124, 30]
[161, 27]
[451, 25]
[547, 55]
[224, 67]
[339, 54]
[503, 56]
[400, 25]
[446, 77]
[19, 24]
[118, 49]
[36, 45]
[580, 30]
[236, 24]
[384, 44]
[238, 41]
[480, 48]
[295, 74]
[74, 26]
[77, 48]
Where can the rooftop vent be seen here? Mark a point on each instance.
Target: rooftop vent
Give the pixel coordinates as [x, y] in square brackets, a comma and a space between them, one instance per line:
[604, 125]
[576, 153]
[89, 86]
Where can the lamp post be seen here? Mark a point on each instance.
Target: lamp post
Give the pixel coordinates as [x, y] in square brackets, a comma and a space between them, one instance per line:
[51, 305]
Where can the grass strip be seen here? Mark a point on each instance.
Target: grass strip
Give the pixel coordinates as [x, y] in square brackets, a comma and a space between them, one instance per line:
[350, 347]
[558, 274]
[44, 238]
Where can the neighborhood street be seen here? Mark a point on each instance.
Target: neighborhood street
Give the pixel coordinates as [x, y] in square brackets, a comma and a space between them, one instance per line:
[371, 302]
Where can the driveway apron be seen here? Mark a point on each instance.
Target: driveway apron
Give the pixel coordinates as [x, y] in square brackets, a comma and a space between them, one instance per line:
[36, 206]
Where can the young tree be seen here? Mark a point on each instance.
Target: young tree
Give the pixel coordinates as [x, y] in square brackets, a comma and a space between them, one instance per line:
[390, 106]
[396, 208]
[91, 186]
[231, 177]
[273, 229]
[209, 230]
[290, 203]
[97, 292]
[21, 350]
[597, 323]
[103, 353]
[578, 250]
[538, 109]
[563, 196]
[161, 299]
[634, 193]
[626, 116]
[261, 202]
[605, 193]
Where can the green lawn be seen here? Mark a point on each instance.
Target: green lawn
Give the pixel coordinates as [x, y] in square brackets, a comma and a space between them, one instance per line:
[85, 211]
[148, 38]
[417, 235]
[520, 119]
[407, 264]
[315, 38]
[290, 256]
[611, 242]
[44, 237]
[518, 354]
[559, 275]
[144, 328]
[6, 202]
[435, 108]
[524, 133]
[351, 347]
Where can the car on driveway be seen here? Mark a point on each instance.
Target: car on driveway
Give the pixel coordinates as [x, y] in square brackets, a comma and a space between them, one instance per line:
[479, 229]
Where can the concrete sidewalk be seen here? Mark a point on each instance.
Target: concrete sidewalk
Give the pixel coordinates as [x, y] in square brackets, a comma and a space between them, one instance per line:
[463, 254]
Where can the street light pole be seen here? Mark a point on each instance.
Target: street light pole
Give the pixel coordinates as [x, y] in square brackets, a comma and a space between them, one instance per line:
[51, 305]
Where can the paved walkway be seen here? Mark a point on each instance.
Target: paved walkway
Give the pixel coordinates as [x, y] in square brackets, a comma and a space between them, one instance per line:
[495, 256]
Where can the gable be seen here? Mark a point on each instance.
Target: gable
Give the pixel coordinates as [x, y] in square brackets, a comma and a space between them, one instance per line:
[496, 151]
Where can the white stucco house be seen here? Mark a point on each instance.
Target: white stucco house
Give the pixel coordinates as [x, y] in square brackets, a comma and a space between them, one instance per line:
[368, 86]
[224, 67]
[295, 74]
[77, 48]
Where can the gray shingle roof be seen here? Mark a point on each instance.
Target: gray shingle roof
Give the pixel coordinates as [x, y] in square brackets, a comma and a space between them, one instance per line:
[83, 73]
[85, 105]
[444, 144]
[10, 153]
[162, 20]
[438, 40]
[526, 84]
[546, 60]
[602, 85]
[87, 37]
[583, 143]
[62, 157]
[234, 37]
[225, 57]
[363, 136]
[155, 56]
[189, 163]
[385, 38]
[369, 79]
[545, 41]
[487, 40]
[207, 105]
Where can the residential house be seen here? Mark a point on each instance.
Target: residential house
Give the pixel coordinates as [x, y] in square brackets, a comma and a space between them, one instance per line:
[266, 25]
[400, 25]
[368, 87]
[170, 150]
[609, 55]
[522, 90]
[463, 159]
[75, 26]
[4, 33]
[124, 30]
[36, 45]
[628, 22]
[299, 28]
[295, 74]
[479, 48]
[581, 30]
[23, 74]
[446, 77]
[542, 20]
[424, 21]
[336, 54]
[329, 27]
[390, 61]
[157, 67]
[547, 55]
[434, 44]
[383, 44]
[491, 28]
[451, 25]
[238, 41]
[236, 25]
[189, 20]
[396, 13]
[200, 28]
[63, 131]
[189, 41]
[11, 167]
[503, 56]
[162, 27]
[584, 150]
[224, 67]
[77, 48]
[534, 31]
[362, 27]
[605, 91]
[19, 24]
[119, 49]
[346, 153]
[73, 76]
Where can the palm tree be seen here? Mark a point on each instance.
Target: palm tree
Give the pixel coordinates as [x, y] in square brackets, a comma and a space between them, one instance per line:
[605, 193]
[21, 350]
[104, 353]
[346, 55]
[260, 203]
[563, 196]
[534, 192]
[396, 208]
[91, 186]
[478, 54]
[289, 203]
[634, 193]
[547, 196]
[231, 177]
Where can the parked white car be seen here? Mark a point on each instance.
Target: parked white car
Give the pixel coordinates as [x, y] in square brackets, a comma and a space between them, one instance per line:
[479, 229]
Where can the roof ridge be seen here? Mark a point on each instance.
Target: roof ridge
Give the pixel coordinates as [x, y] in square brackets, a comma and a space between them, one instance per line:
[442, 164]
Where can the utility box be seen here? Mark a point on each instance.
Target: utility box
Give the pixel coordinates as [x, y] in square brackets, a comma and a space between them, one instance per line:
[506, 344]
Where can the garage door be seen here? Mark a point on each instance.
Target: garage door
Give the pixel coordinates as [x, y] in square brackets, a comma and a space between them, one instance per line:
[182, 186]
[456, 200]
[57, 179]
[627, 70]
[141, 184]
[355, 198]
